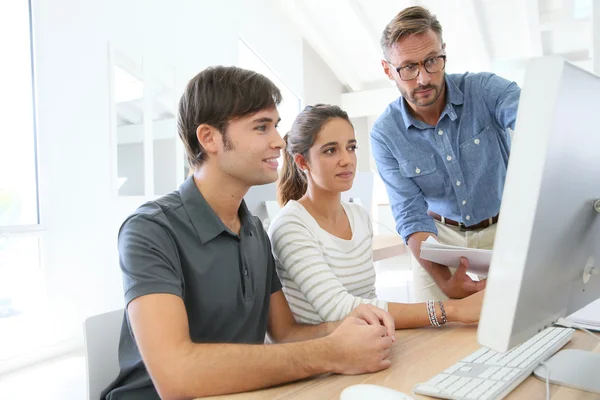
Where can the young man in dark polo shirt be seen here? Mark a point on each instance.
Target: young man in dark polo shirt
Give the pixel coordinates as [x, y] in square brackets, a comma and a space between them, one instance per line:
[201, 288]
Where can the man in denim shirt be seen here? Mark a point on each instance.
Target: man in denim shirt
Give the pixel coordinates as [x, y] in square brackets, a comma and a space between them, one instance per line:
[442, 150]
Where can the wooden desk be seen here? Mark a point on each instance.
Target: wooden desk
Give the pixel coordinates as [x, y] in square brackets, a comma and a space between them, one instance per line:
[387, 246]
[418, 355]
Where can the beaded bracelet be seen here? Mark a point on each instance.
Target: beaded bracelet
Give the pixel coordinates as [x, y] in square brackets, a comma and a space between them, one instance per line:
[444, 319]
[433, 320]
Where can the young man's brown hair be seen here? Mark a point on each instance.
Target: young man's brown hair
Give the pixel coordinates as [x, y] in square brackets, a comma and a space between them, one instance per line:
[216, 96]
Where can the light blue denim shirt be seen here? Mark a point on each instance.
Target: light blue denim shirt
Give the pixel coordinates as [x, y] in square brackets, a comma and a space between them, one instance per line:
[456, 168]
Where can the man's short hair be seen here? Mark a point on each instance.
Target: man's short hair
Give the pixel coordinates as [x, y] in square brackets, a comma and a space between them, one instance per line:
[217, 96]
[410, 21]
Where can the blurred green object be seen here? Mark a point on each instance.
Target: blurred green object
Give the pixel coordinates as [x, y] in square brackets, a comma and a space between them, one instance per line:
[10, 208]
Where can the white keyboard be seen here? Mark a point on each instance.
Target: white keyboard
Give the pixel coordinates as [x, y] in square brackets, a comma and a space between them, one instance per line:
[487, 374]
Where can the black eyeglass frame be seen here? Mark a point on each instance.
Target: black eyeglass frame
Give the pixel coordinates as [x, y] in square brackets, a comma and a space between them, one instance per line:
[420, 63]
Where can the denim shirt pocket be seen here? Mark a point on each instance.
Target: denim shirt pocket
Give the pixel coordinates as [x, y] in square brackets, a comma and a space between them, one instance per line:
[482, 156]
[424, 173]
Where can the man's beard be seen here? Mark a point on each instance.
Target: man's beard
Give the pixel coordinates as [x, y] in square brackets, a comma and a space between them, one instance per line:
[413, 99]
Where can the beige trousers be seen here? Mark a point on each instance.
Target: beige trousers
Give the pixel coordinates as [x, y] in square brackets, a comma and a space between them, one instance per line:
[424, 287]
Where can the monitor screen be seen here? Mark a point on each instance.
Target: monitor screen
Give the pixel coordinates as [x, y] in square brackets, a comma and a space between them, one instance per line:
[546, 254]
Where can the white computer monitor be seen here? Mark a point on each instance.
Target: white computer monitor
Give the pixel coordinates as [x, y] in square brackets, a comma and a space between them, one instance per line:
[547, 249]
[361, 191]
[257, 197]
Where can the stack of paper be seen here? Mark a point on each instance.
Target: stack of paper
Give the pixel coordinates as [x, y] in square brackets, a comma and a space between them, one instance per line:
[588, 317]
[479, 260]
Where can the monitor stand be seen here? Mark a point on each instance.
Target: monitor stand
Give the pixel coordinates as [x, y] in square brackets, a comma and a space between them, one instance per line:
[573, 368]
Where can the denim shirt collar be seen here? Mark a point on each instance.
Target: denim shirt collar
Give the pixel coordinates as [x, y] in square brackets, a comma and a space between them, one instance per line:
[454, 96]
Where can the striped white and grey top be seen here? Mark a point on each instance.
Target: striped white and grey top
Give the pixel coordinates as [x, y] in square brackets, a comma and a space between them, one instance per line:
[324, 277]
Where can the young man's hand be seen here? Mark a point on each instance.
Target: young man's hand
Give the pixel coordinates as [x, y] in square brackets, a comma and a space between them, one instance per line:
[375, 316]
[355, 347]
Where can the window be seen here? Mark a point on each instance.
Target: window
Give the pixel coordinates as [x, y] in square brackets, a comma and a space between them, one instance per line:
[149, 158]
[21, 294]
[290, 106]
[18, 176]
[21, 277]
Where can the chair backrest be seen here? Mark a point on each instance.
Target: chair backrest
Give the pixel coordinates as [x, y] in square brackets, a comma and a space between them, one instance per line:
[101, 336]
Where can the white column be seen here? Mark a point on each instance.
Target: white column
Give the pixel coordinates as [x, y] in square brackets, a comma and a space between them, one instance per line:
[148, 128]
[370, 122]
[595, 52]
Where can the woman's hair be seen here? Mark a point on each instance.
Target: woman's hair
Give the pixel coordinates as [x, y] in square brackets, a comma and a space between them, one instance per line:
[292, 182]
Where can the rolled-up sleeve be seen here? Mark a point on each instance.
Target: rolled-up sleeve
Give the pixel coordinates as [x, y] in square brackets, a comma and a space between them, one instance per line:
[406, 198]
[501, 97]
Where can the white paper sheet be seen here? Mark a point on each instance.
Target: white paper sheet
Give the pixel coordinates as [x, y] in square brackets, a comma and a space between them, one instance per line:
[479, 259]
[588, 317]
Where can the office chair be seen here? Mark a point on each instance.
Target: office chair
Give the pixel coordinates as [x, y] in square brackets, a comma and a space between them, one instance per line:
[101, 336]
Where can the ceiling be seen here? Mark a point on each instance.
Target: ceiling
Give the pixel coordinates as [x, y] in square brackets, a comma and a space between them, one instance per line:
[480, 35]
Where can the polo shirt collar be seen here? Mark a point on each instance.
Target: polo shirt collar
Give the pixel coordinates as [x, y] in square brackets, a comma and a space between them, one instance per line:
[206, 222]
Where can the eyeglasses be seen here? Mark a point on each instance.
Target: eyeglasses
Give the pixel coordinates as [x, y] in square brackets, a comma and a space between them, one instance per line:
[410, 71]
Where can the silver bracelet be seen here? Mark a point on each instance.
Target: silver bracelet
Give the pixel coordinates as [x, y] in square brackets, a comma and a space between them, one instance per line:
[428, 305]
[444, 318]
[431, 313]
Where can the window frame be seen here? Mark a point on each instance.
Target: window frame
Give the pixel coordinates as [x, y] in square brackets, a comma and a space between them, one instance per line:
[32, 229]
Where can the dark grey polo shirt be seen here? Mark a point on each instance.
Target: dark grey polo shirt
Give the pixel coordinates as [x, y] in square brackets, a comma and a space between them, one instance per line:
[178, 245]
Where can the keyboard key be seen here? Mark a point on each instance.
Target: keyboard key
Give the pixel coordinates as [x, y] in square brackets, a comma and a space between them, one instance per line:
[489, 372]
[511, 356]
[447, 382]
[430, 390]
[485, 357]
[502, 373]
[481, 389]
[468, 388]
[495, 359]
[475, 355]
[452, 369]
[457, 385]
[512, 375]
[492, 391]
[494, 376]
[437, 379]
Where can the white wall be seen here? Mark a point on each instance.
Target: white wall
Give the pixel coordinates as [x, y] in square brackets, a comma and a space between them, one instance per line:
[81, 212]
[268, 32]
[320, 84]
[130, 158]
[164, 165]
[361, 129]
[131, 166]
[134, 133]
[74, 161]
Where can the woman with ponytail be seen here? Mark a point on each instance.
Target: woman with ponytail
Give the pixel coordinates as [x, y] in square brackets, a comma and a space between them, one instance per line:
[323, 246]
[292, 183]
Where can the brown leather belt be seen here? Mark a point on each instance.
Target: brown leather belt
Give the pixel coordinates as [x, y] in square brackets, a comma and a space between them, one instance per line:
[481, 225]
